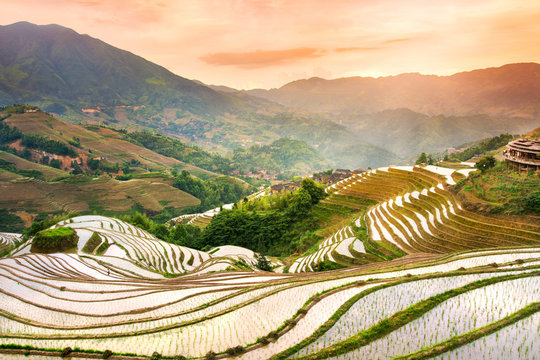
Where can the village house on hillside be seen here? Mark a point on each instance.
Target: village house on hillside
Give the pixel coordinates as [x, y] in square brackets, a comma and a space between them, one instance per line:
[31, 109]
[285, 186]
[523, 154]
[337, 175]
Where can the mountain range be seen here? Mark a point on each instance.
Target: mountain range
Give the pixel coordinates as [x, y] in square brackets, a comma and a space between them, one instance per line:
[510, 90]
[353, 122]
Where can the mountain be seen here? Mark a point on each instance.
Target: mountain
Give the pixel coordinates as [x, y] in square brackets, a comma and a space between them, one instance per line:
[408, 133]
[411, 113]
[62, 72]
[50, 63]
[509, 90]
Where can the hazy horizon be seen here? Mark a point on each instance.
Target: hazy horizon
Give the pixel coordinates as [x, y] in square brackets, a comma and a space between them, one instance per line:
[249, 44]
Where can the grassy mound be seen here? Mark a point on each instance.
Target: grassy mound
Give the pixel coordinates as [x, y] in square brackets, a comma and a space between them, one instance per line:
[54, 240]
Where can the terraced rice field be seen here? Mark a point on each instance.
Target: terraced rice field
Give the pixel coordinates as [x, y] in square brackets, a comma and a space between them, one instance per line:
[416, 213]
[8, 239]
[467, 287]
[108, 303]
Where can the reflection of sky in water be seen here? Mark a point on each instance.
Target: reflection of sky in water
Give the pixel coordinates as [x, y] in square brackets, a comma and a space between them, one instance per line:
[455, 316]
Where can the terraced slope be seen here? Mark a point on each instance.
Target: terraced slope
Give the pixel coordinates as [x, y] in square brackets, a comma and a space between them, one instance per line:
[119, 240]
[416, 213]
[64, 300]
[8, 239]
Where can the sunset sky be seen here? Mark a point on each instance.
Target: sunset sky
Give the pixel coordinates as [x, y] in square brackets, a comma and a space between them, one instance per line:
[255, 43]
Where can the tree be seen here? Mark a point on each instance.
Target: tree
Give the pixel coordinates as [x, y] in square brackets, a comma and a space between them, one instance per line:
[422, 159]
[125, 168]
[93, 164]
[55, 163]
[315, 191]
[485, 163]
[300, 203]
[263, 263]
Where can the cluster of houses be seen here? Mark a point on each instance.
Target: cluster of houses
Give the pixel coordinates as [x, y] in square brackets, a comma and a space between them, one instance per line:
[99, 108]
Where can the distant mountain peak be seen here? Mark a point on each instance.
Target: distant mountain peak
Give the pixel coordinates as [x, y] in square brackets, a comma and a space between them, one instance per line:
[41, 64]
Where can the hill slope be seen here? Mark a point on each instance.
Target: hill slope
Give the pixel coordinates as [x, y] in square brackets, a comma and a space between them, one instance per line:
[50, 63]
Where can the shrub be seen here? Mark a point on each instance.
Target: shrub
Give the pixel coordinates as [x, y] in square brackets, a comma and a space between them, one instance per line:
[179, 357]
[263, 340]
[531, 203]
[66, 352]
[237, 350]
[210, 355]
[263, 263]
[485, 163]
[54, 240]
[124, 177]
[107, 354]
[155, 356]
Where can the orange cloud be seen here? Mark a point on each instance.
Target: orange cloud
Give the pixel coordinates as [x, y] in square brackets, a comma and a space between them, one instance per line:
[88, 3]
[261, 58]
[391, 41]
[356, 48]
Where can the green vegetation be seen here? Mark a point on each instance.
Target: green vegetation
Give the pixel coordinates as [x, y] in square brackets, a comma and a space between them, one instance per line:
[10, 222]
[278, 225]
[212, 192]
[425, 159]
[92, 243]
[469, 337]
[504, 190]
[7, 133]
[485, 163]
[9, 166]
[54, 240]
[482, 148]
[283, 155]
[263, 263]
[33, 141]
[327, 265]
[51, 146]
[291, 156]
[182, 234]
[43, 221]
